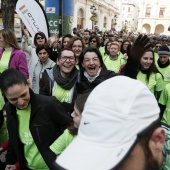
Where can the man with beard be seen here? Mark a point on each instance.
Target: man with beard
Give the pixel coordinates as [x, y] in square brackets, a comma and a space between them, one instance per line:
[120, 127]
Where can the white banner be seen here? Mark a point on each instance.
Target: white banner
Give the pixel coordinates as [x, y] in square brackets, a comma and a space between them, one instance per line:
[33, 16]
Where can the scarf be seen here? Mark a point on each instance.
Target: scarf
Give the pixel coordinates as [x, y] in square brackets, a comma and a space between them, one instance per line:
[68, 82]
[163, 65]
[91, 79]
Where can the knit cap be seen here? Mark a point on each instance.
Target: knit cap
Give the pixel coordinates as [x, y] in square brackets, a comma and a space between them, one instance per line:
[164, 50]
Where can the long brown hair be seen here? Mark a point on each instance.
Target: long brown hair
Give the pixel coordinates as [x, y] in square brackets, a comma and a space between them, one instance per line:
[10, 38]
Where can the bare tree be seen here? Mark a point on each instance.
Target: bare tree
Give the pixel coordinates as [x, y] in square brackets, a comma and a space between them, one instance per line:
[8, 12]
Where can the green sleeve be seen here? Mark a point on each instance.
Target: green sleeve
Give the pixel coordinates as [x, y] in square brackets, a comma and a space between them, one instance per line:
[61, 142]
[164, 96]
[159, 82]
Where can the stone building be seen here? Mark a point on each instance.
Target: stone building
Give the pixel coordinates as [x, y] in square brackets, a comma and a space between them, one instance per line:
[154, 16]
[129, 11]
[105, 16]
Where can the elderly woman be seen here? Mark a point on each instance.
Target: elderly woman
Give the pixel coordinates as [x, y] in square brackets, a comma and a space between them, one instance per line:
[92, 70]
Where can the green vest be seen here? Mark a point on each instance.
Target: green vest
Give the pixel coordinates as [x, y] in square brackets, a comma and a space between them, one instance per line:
[166, 74]
[114, 65]
[155, 81]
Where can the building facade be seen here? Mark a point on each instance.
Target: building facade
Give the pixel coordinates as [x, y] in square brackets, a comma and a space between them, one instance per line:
[154, 16]
[105, 17]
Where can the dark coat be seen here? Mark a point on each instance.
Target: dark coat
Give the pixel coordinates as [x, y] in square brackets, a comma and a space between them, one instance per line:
[84, 86]
[48, 119]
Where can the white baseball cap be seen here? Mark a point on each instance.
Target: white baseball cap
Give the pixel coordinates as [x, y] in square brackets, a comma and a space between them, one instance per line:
[115, 113]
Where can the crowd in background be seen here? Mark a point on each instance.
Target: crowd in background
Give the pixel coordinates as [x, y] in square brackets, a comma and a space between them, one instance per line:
[66, 68]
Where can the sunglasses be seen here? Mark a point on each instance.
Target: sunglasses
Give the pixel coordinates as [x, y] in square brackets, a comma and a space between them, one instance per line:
[94, 41]
[38, 38]
[165, 40]
[157, 46]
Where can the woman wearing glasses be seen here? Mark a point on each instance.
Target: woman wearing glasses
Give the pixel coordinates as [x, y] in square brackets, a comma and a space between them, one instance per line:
[60, 80]
[94, 41]
[92, 70]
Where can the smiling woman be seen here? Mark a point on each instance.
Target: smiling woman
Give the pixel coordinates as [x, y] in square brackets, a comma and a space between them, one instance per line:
[60, 80]
[92, 70]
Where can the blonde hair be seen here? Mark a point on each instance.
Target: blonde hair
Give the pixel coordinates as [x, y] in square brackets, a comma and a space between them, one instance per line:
[115, 43]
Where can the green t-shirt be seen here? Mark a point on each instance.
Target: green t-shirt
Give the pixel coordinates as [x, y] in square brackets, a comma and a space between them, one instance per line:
[165, 100]
[114, 65]
[166, 151]
[62, 142]
[4, 61]
[61, 94]
[33, 157]
[155, 81]
[166, 74]
[2, 102]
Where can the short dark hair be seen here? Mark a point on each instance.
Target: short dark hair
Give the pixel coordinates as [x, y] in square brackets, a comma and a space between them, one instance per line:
[41, 47]
[87, 31]
[81, 59]
[11, 77]
[64, 49]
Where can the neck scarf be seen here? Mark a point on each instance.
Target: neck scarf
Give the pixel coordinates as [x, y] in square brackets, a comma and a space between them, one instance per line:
[68, 82]
[91, 79]
[163, 65]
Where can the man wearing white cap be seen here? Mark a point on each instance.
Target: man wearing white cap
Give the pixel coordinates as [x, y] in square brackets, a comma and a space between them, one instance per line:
[119, 130]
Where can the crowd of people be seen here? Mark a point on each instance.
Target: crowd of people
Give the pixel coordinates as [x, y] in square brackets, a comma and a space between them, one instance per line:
[80, 94]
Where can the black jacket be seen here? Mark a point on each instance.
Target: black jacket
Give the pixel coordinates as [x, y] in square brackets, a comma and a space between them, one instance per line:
[48, 119]
[84, 86]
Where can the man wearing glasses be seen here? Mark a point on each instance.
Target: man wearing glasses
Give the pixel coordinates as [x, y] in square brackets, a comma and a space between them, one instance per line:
[164, 40]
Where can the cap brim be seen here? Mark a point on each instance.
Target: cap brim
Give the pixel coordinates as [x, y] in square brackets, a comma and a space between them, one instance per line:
[84, 155]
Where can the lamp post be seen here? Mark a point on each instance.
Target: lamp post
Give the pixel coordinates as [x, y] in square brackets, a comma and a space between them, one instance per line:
[115, 18]
[125, 24]
[92, 10]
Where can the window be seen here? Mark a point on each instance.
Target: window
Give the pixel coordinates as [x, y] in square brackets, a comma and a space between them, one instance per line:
[148, 11]
[128, 9]
[161, 12]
